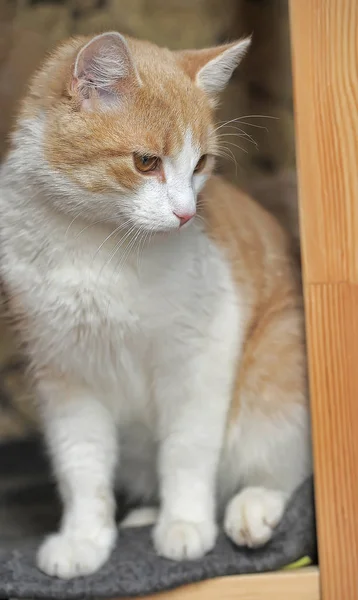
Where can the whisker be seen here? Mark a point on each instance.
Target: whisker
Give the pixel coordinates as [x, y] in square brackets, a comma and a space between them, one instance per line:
[233, 159]
[242, 135]
[255, 124]
[146, 236]
[236, 146]
[89, 226]
[240, 119]
[72, 222]
[117, 246]
[201, 218]
[114, 232]
[231, 156]
[141, 236]
[141, 249]
[128, 251]
[121, 226]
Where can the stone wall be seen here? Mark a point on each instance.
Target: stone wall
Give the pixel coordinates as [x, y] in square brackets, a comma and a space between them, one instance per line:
[262, 86]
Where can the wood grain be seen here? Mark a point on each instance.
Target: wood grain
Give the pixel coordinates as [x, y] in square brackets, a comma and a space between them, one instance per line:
[325, 58]
[296, 585]
[325, 70]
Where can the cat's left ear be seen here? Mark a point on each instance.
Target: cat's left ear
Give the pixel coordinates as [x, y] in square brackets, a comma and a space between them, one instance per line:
[212, 68]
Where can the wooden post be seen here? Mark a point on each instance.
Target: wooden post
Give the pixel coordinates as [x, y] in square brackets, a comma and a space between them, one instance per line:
[325, 70]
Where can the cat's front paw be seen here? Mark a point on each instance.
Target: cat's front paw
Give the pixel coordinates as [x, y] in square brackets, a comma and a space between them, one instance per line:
[66, 555]
[252, 515]
[184, 540]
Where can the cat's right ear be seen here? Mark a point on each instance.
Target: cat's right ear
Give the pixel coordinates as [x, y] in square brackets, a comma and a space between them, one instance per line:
[104, 72]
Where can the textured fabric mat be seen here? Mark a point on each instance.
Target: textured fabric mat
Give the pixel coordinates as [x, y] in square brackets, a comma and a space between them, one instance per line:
[29, 508]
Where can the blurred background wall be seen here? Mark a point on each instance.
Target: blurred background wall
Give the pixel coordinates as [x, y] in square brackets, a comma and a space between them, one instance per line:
[260, 93]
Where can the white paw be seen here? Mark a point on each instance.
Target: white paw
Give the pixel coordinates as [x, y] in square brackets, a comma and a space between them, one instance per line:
[252, 515]
[140, 517]
[67, 555]
[183, 540]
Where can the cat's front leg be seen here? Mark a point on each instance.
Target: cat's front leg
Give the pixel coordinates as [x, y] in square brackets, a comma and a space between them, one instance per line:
[193, 407]
[186, 527]
[82, 441]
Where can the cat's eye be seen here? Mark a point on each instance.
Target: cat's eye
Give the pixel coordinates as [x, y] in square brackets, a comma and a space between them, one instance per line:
[200, 165]
[146, 163]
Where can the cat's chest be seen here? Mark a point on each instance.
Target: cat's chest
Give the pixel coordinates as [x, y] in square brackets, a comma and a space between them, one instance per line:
[109, 311]
[143, 294]
[110, 324]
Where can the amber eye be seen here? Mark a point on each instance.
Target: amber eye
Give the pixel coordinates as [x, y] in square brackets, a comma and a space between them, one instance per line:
[146, 163]
[201, 163]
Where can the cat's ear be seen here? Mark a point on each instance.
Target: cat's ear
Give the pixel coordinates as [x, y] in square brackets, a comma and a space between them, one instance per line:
[104, 71]
[212, 68]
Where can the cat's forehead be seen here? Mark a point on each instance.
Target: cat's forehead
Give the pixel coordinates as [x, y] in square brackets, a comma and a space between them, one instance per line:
[154, 123]
[168, 103]
[169, 114]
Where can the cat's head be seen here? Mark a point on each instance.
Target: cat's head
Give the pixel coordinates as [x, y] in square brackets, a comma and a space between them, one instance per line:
[127, 130]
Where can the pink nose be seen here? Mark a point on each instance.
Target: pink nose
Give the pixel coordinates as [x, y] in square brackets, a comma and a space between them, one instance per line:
[184, 218]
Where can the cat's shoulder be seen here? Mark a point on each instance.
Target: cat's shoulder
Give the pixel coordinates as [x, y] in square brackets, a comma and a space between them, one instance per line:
[231, 214]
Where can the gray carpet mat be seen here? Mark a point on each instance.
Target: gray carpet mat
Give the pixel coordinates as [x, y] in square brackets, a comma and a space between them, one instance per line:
[29, 508]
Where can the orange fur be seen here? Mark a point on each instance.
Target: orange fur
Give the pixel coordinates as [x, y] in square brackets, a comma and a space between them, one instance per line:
[93, 148]
[264, 270]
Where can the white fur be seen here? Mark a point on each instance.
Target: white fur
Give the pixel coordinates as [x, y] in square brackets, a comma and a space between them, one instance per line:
[181, 186]
[142, 353]
[252, 515]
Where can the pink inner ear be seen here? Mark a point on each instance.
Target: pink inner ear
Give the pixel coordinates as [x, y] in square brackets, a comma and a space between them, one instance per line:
[211, 68]
[103, 69]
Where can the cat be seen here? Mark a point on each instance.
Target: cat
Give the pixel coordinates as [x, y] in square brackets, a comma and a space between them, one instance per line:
[158, 306]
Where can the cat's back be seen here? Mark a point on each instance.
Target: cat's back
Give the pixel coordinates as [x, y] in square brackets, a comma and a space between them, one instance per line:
[235, 218]
[253, 241]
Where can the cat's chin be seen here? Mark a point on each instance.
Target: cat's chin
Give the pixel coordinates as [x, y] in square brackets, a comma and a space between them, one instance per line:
[168, 231]
[160, 230]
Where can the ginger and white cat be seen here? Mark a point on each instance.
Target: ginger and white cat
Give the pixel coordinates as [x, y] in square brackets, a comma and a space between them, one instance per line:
[167, 348]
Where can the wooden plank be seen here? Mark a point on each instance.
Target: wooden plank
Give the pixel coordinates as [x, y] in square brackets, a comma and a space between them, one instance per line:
[325, 70]
[295, 585]
[332, 335]
[325, 59]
